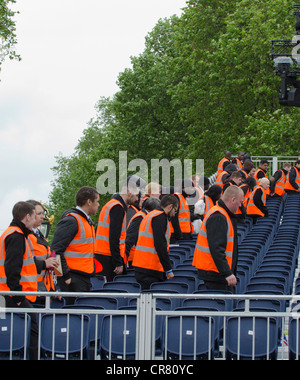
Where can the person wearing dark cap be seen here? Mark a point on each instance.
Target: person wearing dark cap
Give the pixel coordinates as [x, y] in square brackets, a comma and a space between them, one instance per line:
[181, 222]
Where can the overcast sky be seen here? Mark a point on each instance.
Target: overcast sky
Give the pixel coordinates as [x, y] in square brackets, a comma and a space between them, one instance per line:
[72, 52]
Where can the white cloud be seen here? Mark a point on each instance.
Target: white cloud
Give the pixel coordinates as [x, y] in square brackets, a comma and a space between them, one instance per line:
[72, 52]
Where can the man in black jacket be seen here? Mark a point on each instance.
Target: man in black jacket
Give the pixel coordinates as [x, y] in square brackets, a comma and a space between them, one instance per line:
[87, 201]
[15, 246]
[160, 224]
[217, 235]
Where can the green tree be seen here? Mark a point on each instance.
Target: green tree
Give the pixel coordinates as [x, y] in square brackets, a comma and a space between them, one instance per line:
[7, 31]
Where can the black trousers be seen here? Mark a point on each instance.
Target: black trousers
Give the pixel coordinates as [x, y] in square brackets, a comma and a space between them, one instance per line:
[145, 280]
[34, 332]
[79, 283]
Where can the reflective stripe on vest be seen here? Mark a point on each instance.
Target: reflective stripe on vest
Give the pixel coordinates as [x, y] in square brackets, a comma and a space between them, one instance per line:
[80, 252]
[288, 185]
[251, 207]
[208, 204]
[102, 234]
[202, 257]
[184, 216]
[219, 179]
[133, 248]
[145, 254]
[42, 252]
[221, 163]
[279, 186]
[28, 279]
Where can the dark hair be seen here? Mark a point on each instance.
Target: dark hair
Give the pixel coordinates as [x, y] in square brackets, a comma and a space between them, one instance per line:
[21, 209]
[84, 194]
[214, 192]
[262, 162]
[151, 204]
[169, 199]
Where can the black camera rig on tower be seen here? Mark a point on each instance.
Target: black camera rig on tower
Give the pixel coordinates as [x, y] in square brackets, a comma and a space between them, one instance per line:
[287, 65]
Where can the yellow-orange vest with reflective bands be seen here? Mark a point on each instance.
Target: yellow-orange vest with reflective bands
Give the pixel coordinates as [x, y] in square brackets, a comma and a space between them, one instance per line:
[28, 279]
[102, 233]
[202, 257]
[80, 252]
[145, 253]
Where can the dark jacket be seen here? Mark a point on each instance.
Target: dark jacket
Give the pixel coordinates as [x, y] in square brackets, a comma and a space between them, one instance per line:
[15, 249]
[216, 227]
[159, 227]
[65, 232]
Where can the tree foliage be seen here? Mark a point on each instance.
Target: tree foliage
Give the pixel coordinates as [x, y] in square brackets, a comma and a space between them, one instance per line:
[204, 84]
[7, 31]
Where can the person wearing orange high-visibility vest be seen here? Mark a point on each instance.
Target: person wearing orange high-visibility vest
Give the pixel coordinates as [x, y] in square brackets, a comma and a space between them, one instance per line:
[18, 271]
[42, 252]
[181, 227]
[132, 232]
[151, 259]
[216, 250]
[256, 207]
[277, 182]
[111, 231]
[224, 162]
[74, 242]
[292, 184]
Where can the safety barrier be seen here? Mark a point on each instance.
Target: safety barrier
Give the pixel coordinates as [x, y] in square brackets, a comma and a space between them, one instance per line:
[207, 326]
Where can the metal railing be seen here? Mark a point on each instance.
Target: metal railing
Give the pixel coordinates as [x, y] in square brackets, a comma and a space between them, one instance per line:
[148, 331]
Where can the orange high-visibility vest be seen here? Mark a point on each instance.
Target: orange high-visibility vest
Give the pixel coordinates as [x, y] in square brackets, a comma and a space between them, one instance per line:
[279, 186]
[137, 215]
[102, 234]
[219, 179]
[288, 185]
[184, 215]
[221, 163]
[28, 279]
[251, 207]
[202, 257]
[42, 252]
[145, 253]
[80, 252]
[208, 204]
[256, 173]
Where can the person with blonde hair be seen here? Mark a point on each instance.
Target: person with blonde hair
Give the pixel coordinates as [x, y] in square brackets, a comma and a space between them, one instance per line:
[256, 207]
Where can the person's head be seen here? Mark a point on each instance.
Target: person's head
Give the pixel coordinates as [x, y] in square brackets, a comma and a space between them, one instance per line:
[214, 192]
[287, 166]
[251, 182]
[248, 165]
[241, 155]
[25, 213]
[39, 212]
[237, 177]
[87, 198]
[153, 189]
[232, 197]
[264, 165]
[252, 172]
[227, 155]
[151, 204]
[297, 164]
[264, 183]
[130, 191]
[169, 203]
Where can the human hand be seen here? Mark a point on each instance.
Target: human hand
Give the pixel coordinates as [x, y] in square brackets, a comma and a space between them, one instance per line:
[118, 270]
[231, 280]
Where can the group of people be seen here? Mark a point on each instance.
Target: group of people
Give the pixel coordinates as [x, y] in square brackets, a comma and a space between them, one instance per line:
[135, 228]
